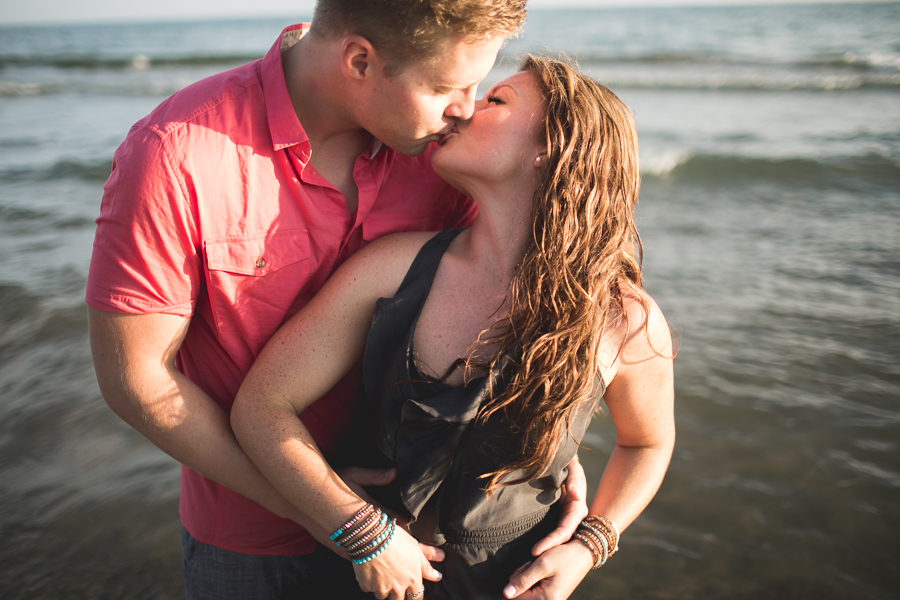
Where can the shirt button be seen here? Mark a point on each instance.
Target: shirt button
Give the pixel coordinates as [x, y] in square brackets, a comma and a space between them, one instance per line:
[260, 262]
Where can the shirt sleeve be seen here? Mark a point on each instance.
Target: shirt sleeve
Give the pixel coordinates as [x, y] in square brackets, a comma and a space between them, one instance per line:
[146, 256]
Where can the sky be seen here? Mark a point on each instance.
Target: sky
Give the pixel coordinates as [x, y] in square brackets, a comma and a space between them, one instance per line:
[90, 11]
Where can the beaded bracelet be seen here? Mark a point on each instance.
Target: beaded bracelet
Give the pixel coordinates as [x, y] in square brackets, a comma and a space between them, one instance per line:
[600, 540]
[374, 544]
[600, 536]
[358, 529]
[365, 535]
[597, 546]
[380, 527]
[364, 510]
[604, 527]
[606, 524]
[381, 547]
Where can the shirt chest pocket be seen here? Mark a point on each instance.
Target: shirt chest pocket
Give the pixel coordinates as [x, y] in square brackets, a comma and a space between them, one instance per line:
[253, 280]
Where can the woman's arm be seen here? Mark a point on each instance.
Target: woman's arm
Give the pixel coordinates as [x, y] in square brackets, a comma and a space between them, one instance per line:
[300, 363]
[640, 399]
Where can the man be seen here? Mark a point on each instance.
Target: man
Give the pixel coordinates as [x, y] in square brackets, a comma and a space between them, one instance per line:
[227, 209]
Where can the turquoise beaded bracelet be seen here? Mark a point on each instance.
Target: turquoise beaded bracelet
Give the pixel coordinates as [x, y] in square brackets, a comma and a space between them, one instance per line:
[385, 533]
[364, 510]
[359, 561]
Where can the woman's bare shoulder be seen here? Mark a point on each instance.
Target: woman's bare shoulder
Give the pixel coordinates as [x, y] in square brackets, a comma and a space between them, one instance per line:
[634, 333]
[382, 265]
[647, 331]
[403, 244]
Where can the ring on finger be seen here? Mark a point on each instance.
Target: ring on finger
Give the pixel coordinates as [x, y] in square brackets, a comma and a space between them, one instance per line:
[415, 594]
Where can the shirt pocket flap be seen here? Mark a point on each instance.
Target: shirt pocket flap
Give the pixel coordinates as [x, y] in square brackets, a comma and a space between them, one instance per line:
[258, 254]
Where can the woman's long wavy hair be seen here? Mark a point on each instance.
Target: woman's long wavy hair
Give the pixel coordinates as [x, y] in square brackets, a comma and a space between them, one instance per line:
[568, 290]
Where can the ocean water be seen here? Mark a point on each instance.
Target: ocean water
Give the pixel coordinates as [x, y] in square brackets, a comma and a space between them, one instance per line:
[770, 213]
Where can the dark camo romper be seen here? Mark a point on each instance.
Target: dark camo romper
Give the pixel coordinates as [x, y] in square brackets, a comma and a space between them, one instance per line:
[427, 430]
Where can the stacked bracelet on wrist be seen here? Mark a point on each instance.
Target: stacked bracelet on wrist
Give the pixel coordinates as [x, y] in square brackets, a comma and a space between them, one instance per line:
[365, 535]
[600, 536]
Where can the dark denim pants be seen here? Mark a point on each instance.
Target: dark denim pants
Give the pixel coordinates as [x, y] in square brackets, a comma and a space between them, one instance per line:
[211, 573]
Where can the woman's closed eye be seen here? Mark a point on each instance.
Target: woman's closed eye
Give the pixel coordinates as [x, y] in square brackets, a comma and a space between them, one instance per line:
[492, 99]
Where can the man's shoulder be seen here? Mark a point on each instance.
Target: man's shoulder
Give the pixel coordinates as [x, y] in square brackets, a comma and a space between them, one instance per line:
[215, 101]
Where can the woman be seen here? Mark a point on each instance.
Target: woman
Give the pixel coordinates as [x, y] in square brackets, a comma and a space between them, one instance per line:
[485, 356]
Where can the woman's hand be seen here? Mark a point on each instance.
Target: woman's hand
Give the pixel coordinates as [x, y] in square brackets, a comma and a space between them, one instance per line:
[552, 576]
[399, 569]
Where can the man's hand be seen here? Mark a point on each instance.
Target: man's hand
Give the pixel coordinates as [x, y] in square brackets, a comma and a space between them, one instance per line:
[357, 478]
[574, 509]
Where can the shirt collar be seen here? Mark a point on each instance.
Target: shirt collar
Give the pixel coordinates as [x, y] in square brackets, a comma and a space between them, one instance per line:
[284, 126]
[376, 146]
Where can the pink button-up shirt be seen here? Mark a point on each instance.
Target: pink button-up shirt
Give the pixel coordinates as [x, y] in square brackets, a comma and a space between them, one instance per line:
[212, 212]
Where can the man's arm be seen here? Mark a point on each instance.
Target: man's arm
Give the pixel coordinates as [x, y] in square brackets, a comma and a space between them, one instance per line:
[134, 357]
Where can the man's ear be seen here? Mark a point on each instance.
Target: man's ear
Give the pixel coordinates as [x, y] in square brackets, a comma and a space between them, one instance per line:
[358, 58]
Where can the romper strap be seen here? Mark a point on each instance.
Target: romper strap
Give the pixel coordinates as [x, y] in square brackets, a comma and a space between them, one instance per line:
[426, 263]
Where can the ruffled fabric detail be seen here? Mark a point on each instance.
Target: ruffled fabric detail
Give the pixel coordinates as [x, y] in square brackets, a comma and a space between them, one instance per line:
[424, 440]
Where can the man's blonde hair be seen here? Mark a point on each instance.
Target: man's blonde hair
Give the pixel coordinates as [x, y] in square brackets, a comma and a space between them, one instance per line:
[406, 30]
